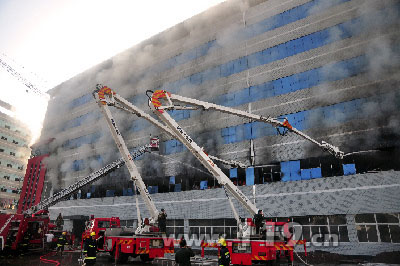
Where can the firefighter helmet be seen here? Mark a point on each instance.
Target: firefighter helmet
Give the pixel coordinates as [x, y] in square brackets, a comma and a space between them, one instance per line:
[92, 233]
[222, 241]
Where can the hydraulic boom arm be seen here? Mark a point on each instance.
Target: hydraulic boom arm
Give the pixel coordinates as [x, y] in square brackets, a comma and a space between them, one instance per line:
[45, 204]
[100, 93]
[200, 154]
[169, 97]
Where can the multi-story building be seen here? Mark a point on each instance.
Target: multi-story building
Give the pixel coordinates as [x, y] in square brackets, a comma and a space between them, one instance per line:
[330, 66]
[14, 154]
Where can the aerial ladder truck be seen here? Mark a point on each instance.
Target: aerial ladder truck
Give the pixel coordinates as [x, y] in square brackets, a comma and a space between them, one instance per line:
[146, 233]
[248, 247]
[107, 97]
[14, 227]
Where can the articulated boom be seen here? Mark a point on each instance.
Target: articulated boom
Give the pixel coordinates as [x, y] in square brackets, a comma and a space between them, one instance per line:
[169, 97]
[103, 96]
[199, 153]
[45, 204]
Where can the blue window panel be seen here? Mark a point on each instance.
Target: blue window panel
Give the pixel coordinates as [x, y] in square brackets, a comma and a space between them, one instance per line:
[313, 78]
[240, 133]
[286, 167]
[285, 177]
[250, 176]
[110, 193]
[290, 48]
[224, 132]
[232, 130]
[178, 188]
[305, 174]
[242, 96]
[88, 195]
[286, 87]
[277, 87]
[233, 173]
[239, 65]
[316, 173]
[274, 53]
[307, 43]
[349, 169]
[294, 166]
[248, 131]
[172, 180]
[229, 99]
[81, 100]
[78, 165]
[255, 59]
[232, 139]
[203, 185]
[196, 79]
[295, 176]
[211, 73]
[227, 69]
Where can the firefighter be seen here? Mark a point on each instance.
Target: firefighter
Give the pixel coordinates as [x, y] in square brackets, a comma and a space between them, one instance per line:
[162, 221]
[59, 222]
[25, 243]
[90, 249]
[62, 240]
[258, 220]
[224, 258]
[182, 256]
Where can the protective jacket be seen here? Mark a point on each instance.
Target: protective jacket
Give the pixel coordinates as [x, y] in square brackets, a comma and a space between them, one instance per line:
[182, 256]
[61, 241]
[90, 249]
[224, 258]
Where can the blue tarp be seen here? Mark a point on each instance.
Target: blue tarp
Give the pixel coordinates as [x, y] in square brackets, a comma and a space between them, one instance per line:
[172, 180]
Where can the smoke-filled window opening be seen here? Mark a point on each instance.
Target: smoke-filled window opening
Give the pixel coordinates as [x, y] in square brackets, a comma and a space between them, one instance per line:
[378, 227]
[267, 174]
[323, 229]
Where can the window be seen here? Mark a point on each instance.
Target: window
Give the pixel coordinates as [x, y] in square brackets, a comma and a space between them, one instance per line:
[9, 165]
[15, 142]
[20, 167]
[323, 229]
[1, 150]
[3, 138]
[212, 228]
[12, 153]
[175, 227]
[380, 227]
[7, 126]
[103, 224]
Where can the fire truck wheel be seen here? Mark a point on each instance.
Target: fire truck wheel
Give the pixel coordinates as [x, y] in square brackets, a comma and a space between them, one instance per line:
[145, 257]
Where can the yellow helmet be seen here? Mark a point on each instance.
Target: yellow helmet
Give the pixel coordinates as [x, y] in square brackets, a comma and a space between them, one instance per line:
[92, 233]
[222, 241]
[64, 233]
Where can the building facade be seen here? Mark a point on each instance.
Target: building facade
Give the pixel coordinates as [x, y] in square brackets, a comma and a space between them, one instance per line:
[14, 154]
[329, 67]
